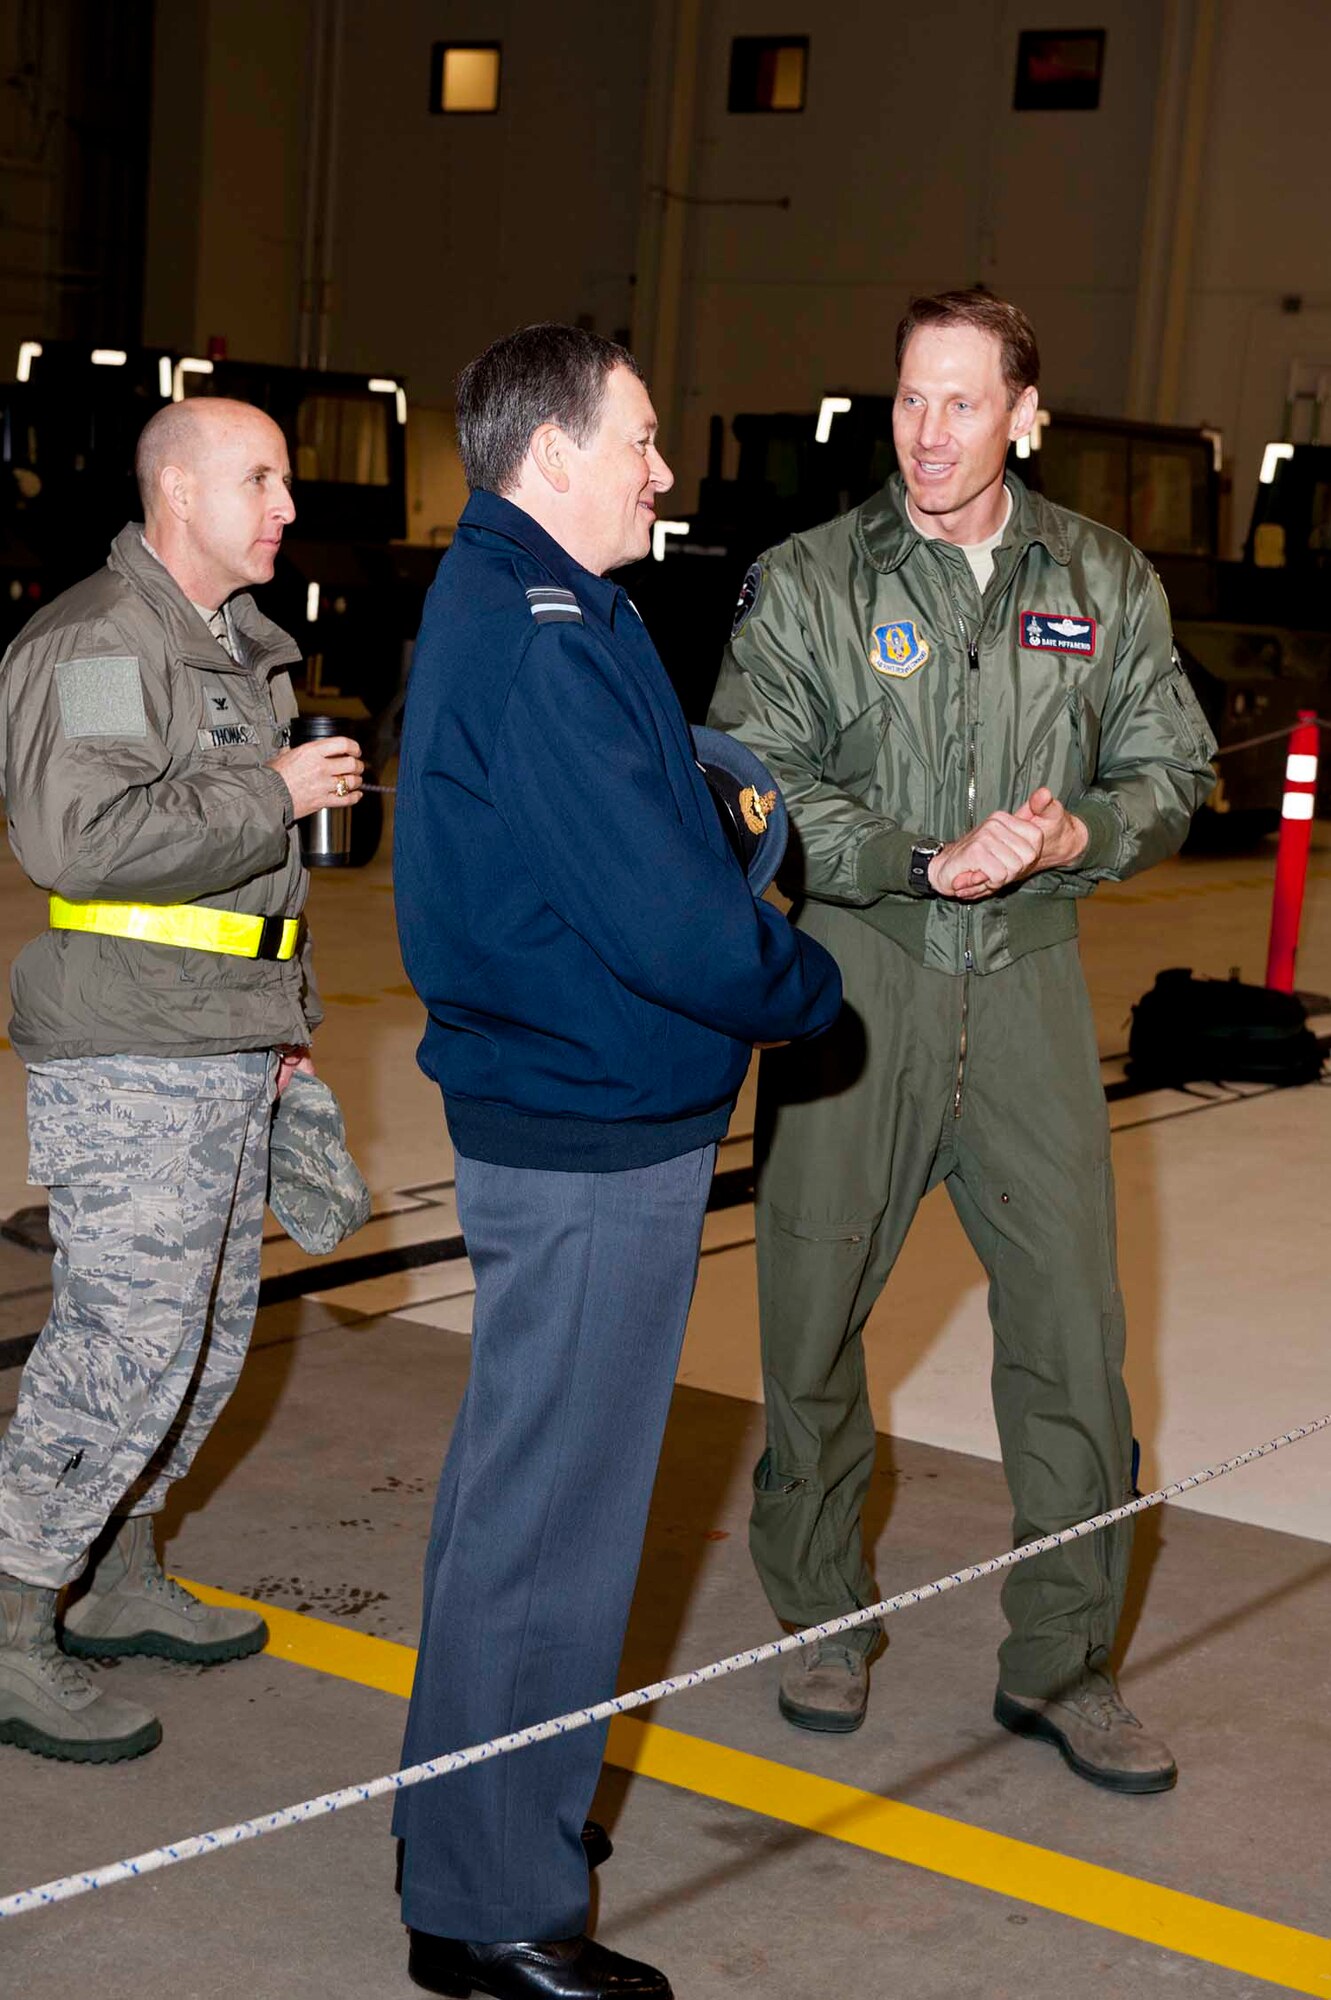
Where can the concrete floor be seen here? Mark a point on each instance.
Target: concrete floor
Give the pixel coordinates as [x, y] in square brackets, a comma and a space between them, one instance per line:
[313, 1496]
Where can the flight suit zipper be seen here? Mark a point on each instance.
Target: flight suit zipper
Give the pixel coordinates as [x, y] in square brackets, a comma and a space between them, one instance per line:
[972, 714]
[988, 613]
[968, 957]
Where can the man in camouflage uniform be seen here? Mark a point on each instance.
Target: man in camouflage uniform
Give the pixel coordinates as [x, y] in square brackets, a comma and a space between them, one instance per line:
[150, 788]
[973, 705]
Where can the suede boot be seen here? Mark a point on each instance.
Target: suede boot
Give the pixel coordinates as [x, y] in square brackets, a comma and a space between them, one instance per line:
[127, 1604]
[50, 1706]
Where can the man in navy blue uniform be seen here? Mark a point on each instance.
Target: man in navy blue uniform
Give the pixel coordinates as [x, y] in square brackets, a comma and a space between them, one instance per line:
[596, 973]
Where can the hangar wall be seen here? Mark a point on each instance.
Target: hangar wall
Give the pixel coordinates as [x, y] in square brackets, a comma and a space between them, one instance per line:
[225, 192]
[908, 169]
[439, 231]
[453, 230]
[73, 164]
[1259, 307]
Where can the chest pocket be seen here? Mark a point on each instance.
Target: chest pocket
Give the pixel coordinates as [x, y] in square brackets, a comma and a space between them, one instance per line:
[1063, 757]
[873, 761]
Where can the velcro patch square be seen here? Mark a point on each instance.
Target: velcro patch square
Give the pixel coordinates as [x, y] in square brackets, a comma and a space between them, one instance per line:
[101, 697]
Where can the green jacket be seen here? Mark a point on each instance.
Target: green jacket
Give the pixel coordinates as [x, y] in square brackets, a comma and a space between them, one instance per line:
[133, 753]
[896, 707]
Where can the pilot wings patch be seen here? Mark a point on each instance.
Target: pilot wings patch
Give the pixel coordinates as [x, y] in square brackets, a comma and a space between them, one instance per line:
[1056, 632]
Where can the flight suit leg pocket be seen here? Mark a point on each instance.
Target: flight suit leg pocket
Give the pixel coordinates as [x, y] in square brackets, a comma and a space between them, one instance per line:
[810, 1483]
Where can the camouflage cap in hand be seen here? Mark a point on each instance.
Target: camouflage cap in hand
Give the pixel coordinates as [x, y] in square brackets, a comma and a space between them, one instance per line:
[315, 1188]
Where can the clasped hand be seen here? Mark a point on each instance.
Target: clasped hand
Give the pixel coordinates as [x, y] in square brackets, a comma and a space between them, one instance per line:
[1007, 847]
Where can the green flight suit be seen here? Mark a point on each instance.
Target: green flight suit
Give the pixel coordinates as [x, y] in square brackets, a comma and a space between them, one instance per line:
[896, 707]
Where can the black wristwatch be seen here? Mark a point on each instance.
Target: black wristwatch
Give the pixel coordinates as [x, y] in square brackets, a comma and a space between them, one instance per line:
[917, 875]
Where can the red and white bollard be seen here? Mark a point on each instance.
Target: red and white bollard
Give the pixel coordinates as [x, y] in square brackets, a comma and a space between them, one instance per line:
[1296, 832]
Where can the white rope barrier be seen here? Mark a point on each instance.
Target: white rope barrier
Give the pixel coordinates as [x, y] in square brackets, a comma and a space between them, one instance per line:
[59, 1891]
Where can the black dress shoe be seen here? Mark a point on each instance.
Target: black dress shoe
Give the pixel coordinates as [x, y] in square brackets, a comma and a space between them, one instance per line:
[573, 1968]
[596, 1845]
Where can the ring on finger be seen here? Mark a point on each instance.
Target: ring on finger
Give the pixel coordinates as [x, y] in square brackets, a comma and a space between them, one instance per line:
[341, 788]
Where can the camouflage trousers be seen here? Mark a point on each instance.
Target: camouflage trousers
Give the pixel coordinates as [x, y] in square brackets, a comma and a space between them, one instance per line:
[158, 1171]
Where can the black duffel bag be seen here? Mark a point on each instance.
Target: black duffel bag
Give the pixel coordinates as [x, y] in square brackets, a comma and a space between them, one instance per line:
[1188, 1030]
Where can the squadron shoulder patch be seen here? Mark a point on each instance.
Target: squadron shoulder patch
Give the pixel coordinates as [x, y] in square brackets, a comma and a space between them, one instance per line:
[551, 604]
[1056, 632]
[748, 597]
[898, 650]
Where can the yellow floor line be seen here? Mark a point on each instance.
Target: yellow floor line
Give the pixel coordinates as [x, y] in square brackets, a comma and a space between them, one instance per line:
[1297, 1960]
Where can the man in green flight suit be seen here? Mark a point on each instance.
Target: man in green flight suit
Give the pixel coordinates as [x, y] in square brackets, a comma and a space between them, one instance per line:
[973, 705]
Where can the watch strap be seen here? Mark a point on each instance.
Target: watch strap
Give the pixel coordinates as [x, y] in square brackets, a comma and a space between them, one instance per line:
[917, 875]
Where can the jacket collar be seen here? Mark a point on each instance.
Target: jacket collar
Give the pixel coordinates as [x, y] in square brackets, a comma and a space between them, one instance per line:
[264, 644]
[497, 516]
[887, 537]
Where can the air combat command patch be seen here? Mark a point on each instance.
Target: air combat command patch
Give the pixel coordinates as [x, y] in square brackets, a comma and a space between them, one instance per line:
[898, 650]
[748, 597]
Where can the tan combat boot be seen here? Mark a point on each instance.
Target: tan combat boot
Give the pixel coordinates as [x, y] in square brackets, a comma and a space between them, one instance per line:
[1098, 1736]
[127, 1604]
[49, 1705]
[825, 1687]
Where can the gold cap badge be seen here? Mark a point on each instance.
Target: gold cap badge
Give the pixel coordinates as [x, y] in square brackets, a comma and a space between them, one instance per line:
[755, 807]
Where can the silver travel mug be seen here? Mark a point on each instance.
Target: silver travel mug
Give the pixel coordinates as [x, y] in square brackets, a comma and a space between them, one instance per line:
[325, 836]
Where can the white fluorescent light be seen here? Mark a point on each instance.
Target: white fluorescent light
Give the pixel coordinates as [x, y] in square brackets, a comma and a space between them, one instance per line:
[312, 603]
[831, 406]
[189, 365]
[1271, 458]
[660, 530]
[109, 357]
[1023, 445]
[164, 377]
[1037, 429]
[384, 385]
[27, 354]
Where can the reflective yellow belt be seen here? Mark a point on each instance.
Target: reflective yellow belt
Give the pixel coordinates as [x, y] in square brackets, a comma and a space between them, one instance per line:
[191, 925]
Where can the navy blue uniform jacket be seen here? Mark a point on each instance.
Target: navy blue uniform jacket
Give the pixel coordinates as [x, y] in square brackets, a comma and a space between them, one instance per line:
[594, 966]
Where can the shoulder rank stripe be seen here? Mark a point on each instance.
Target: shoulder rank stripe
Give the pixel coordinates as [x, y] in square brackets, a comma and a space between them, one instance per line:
[552, 604]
